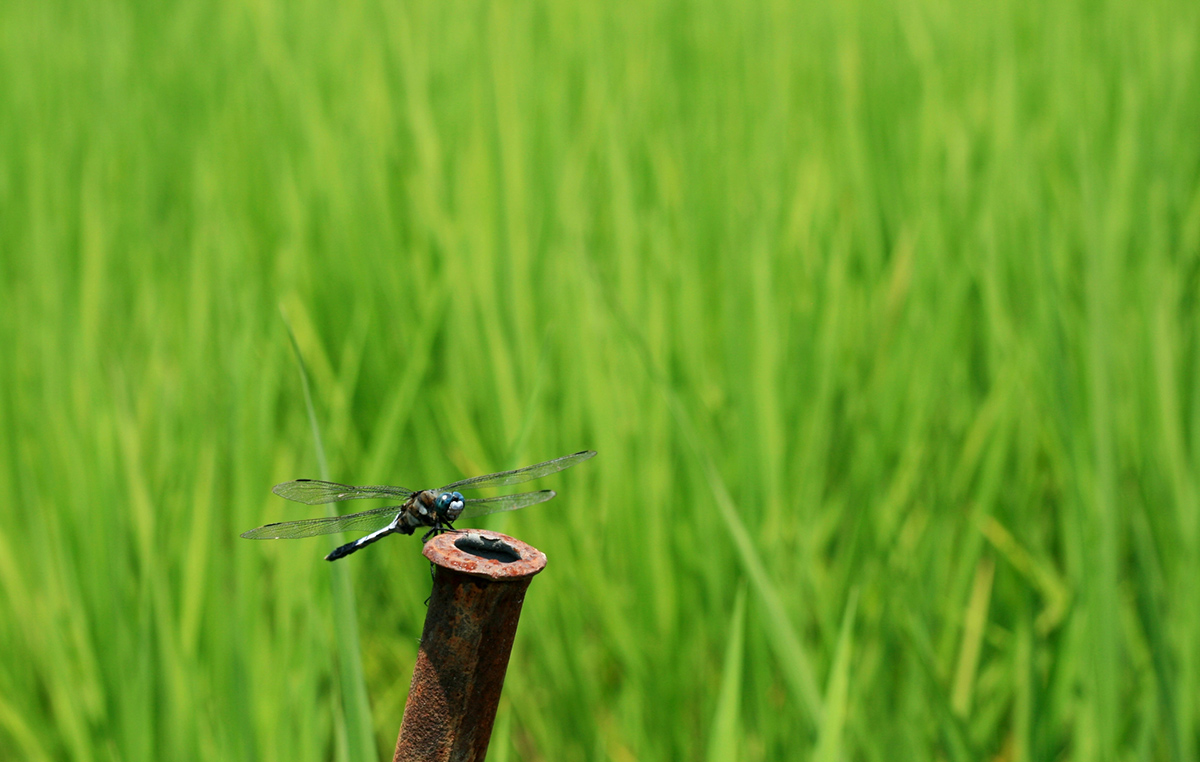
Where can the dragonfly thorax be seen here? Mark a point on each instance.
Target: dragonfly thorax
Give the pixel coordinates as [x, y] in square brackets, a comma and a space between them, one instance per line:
[431, 509]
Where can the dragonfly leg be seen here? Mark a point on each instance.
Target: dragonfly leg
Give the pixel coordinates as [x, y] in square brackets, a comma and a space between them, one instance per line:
[438, 528]
[432, 577]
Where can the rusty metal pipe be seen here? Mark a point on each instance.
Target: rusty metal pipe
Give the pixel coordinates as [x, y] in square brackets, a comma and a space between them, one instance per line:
[479, 585]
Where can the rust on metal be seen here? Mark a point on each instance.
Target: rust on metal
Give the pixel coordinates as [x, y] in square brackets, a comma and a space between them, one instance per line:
[479, 584]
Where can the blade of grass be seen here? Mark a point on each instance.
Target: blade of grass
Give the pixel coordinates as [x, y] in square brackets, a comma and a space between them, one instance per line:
[725, 738]
[1024, 686]
[829, 741]
[356, 708]
[1150, 610]
[975, 622]
[957, 743]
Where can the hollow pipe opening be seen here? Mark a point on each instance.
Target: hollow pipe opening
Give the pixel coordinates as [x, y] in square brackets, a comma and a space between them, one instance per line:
[483, 546]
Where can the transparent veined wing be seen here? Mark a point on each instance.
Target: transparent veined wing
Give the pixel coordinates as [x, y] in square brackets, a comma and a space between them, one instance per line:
[313, 492]
[367, 521]
[518, 475]
[484, 506]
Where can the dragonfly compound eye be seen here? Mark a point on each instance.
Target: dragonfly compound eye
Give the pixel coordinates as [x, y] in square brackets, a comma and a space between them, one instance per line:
[450, 505]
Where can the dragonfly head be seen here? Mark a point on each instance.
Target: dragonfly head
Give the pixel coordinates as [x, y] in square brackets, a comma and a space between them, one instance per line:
[448, 506]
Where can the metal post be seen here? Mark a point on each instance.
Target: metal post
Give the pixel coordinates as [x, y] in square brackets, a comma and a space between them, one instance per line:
[479, 585]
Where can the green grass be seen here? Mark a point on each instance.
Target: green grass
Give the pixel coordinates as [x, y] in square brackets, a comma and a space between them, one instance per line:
[882, 318]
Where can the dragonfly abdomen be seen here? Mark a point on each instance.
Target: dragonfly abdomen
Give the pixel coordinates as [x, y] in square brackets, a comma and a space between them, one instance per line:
[362, 542]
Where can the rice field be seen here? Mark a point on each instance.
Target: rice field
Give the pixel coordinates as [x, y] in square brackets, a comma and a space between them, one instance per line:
[882, 317]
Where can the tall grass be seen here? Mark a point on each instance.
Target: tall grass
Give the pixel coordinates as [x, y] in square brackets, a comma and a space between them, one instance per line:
[885, 314]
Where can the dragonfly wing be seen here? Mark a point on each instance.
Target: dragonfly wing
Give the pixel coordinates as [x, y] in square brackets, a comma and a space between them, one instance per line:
[516, 476]
[312, 492]
[367, 521]
[484, 506]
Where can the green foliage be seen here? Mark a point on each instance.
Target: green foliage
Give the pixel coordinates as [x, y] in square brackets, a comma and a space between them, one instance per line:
[884, 313]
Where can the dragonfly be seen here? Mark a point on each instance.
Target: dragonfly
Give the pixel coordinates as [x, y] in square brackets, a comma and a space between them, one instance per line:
[435, 508]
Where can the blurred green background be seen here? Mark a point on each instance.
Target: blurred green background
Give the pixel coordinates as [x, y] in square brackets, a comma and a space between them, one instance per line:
[882, 317]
